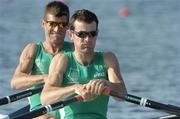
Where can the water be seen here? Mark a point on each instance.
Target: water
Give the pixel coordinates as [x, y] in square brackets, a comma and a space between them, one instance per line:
[146, 43]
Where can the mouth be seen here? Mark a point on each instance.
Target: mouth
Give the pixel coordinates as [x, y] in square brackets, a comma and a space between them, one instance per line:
[86, 47]
[56, 34]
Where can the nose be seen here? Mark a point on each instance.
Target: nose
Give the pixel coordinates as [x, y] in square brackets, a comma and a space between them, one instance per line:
[87, 38]
[56, 28]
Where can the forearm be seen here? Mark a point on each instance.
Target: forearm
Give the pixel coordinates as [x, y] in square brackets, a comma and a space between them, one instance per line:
[26, 81]
[118, 87]
[52, 94]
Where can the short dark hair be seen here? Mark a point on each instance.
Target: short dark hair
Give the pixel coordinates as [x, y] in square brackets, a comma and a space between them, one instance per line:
[57, 8]
[85, 16]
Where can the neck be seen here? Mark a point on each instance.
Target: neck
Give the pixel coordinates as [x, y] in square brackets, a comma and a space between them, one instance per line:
[52, 48]
[84, 59]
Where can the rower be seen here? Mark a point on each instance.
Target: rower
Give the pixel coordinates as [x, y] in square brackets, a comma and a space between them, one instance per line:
[83, 72]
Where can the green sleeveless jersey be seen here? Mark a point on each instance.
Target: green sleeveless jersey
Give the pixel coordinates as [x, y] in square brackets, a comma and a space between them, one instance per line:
[76, 73]
[41, 64]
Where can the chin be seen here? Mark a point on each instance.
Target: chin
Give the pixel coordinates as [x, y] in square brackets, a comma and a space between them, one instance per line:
[57, 41]
[59, 38]
[87, 50]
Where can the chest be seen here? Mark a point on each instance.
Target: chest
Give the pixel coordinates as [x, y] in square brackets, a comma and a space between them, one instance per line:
[41, 64]
[82, 75]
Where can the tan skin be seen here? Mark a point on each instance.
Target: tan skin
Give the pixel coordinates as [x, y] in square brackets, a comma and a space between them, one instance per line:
[53, 43]
[84, 54]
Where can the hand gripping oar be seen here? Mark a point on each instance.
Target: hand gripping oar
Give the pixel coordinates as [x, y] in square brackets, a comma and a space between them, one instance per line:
[18, 96]
[171, 109]
[46, 109]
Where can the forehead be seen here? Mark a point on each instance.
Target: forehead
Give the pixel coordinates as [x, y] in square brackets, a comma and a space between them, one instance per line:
[50, 17]
[83, 26]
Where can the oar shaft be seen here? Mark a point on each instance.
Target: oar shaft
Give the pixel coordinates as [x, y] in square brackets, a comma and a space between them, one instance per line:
[48, 108]
[153, 104]
[171, 109]
[18, 96]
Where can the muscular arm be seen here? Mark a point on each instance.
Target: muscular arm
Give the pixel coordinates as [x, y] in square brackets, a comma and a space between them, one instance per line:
[22, 78]
[116, 82]
[52, 91]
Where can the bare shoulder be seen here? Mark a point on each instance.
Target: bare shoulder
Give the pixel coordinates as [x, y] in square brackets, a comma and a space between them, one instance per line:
[59, 57]
[109, 57]
[59, 62]
[29, 50]
[26, 59]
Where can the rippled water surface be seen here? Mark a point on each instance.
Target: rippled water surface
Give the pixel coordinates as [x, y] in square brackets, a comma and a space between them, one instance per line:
[146, 43]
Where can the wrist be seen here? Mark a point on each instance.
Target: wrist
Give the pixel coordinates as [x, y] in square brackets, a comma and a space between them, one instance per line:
[74, 87]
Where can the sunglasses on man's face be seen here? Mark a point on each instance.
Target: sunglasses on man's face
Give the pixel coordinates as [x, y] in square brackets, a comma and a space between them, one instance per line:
[53, 24]
[84, 34]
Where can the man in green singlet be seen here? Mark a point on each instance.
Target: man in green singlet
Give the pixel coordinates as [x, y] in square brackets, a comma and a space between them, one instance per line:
[83, 72]
[35, 59]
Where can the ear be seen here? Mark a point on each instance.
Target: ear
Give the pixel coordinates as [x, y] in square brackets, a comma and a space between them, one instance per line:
[69, 35]
[42, 23]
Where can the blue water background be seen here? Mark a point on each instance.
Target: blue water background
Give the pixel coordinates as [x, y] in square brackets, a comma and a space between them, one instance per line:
[146, 43]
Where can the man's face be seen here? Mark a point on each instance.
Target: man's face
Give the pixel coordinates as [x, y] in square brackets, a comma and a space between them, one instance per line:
[55, 28]
[84, 36]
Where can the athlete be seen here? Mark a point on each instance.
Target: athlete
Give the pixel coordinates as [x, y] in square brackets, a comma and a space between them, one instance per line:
[35, 59]
[83, 72]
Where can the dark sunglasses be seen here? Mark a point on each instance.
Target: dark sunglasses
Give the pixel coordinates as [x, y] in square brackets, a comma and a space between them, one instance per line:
[53, 24]
[84, 34]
